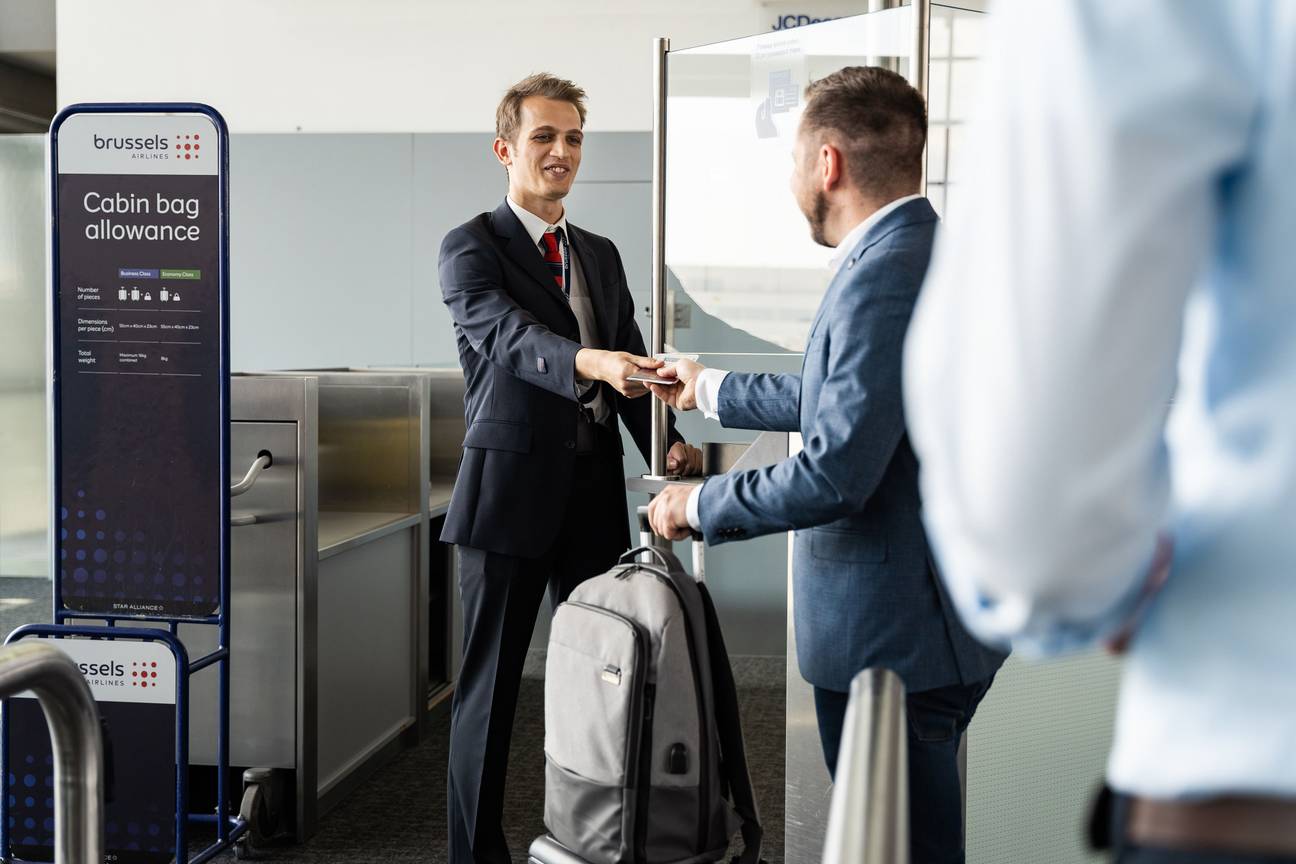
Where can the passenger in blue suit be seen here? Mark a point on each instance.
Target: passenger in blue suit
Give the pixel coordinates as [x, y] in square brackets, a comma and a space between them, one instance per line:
[865, 592]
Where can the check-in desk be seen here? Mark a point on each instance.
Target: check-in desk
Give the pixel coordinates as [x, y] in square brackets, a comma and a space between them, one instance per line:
[443, 391]
[328, 566]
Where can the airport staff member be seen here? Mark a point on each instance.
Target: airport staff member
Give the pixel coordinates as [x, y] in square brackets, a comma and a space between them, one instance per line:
[865, 593]
[1128, 239]
[547, 338]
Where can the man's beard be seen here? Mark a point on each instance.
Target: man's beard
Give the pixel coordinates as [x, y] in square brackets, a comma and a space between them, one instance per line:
[818, 217]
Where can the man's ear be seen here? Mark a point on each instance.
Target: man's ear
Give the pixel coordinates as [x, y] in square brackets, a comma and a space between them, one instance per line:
[831, 167]
[503, 151]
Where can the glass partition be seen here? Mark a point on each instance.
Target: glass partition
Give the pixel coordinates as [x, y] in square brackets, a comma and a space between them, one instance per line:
[743, 274]
[954, 48]
[24, 487]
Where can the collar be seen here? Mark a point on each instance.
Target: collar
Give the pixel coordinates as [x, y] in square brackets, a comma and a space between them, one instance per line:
[852, 239]
[534, 225]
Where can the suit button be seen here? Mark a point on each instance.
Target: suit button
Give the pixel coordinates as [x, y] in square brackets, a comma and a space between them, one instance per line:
[570, 445]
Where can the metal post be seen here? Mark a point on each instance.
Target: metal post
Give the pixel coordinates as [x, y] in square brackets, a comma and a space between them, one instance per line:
[868, 821]
[919, 62]
[886, 62]
[661, 47]
[920, 56]
[73, 722]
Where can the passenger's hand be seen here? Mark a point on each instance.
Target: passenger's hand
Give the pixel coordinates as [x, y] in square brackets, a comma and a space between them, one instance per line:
[1158, 573]
[683, 459]
[668, 512]
[614, 367]
[679, 387]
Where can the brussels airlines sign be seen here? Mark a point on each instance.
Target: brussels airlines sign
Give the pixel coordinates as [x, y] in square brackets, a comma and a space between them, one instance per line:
[141, 360]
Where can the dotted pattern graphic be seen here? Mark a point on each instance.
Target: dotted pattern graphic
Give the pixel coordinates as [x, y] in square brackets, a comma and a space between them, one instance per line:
[188, 146]
[31, 814]
[144, 674]
[102, 560]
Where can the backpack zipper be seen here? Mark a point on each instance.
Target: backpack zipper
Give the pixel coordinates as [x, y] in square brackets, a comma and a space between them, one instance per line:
[704, 731]
[645, 774]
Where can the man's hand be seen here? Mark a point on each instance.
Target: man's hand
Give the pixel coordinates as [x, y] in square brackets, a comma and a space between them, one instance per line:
[668, 512]
[683, 459]
[614, 367]
[679, 387]
[1158, 572]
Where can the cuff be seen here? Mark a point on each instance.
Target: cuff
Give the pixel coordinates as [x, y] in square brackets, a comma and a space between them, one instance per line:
[691, 511]
[707, 392]
[586, 391]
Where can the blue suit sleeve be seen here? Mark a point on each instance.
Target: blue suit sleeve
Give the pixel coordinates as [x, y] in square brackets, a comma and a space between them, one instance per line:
[472, 286]
[853, 434]
[760, 401]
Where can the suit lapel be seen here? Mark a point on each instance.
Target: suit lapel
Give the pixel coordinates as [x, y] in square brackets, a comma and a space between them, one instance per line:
[519, 248]
[593, 277]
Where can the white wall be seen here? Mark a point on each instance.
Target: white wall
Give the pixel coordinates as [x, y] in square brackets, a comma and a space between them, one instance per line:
[387, 65]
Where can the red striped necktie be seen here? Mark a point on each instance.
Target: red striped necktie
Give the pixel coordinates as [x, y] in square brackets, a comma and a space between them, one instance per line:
[553, 245]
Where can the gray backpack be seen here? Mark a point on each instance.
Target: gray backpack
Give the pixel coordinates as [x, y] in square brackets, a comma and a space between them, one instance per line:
[644, 755]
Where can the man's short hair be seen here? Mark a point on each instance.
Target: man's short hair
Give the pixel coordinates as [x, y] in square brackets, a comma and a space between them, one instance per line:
[877, 120]
[508, 116]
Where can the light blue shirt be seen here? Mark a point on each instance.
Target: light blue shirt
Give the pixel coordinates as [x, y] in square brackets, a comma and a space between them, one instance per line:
[1105, 348]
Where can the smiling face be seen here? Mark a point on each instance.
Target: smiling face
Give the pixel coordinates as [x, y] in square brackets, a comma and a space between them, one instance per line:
[543, 159]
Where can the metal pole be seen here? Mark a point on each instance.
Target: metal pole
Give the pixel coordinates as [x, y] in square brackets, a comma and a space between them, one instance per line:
[661, 47]
[73, 722]
[868, 821]
[918, 63]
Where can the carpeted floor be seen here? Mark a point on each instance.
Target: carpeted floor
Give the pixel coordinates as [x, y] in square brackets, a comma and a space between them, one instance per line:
[399, 814]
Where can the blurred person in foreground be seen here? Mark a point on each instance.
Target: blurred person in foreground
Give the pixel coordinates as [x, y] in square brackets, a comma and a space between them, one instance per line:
[1127, 242]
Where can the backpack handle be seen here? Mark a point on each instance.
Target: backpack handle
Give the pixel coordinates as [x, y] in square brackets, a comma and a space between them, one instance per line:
[661, 556]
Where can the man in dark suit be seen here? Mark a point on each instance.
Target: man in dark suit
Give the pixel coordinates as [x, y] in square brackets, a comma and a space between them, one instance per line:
[547, 339]
[864, 589]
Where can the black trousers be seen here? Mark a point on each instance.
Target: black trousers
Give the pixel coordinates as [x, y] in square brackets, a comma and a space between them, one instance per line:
[501, 596]
[937, 719]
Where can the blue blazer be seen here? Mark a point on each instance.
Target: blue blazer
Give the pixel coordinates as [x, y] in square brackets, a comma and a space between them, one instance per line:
[865, 592]
[517, 340]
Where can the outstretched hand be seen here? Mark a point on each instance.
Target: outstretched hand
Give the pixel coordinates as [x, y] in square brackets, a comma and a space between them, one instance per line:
[679, 384]
[615, 367]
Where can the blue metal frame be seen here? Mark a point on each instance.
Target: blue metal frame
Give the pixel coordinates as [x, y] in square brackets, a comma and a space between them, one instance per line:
[228, 829]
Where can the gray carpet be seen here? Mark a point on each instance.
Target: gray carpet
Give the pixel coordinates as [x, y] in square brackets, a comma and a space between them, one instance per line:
[399, 814]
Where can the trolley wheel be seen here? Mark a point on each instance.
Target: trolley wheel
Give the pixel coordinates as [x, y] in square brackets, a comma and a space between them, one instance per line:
[255, 812]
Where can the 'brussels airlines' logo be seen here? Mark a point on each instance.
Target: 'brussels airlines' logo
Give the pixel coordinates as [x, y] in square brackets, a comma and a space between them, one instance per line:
[187, 147]
[112, 673]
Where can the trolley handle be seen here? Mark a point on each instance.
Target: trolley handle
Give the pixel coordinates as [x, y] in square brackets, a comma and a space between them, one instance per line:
[263, 461]
[647, 546]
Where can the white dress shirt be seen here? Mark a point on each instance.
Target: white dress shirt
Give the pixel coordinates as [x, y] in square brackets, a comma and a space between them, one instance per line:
[707, 389]
[1127, 237]
[582, 305]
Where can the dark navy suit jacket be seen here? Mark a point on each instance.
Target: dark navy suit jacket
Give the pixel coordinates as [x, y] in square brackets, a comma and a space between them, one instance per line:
[518, 339]
[864, 589]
